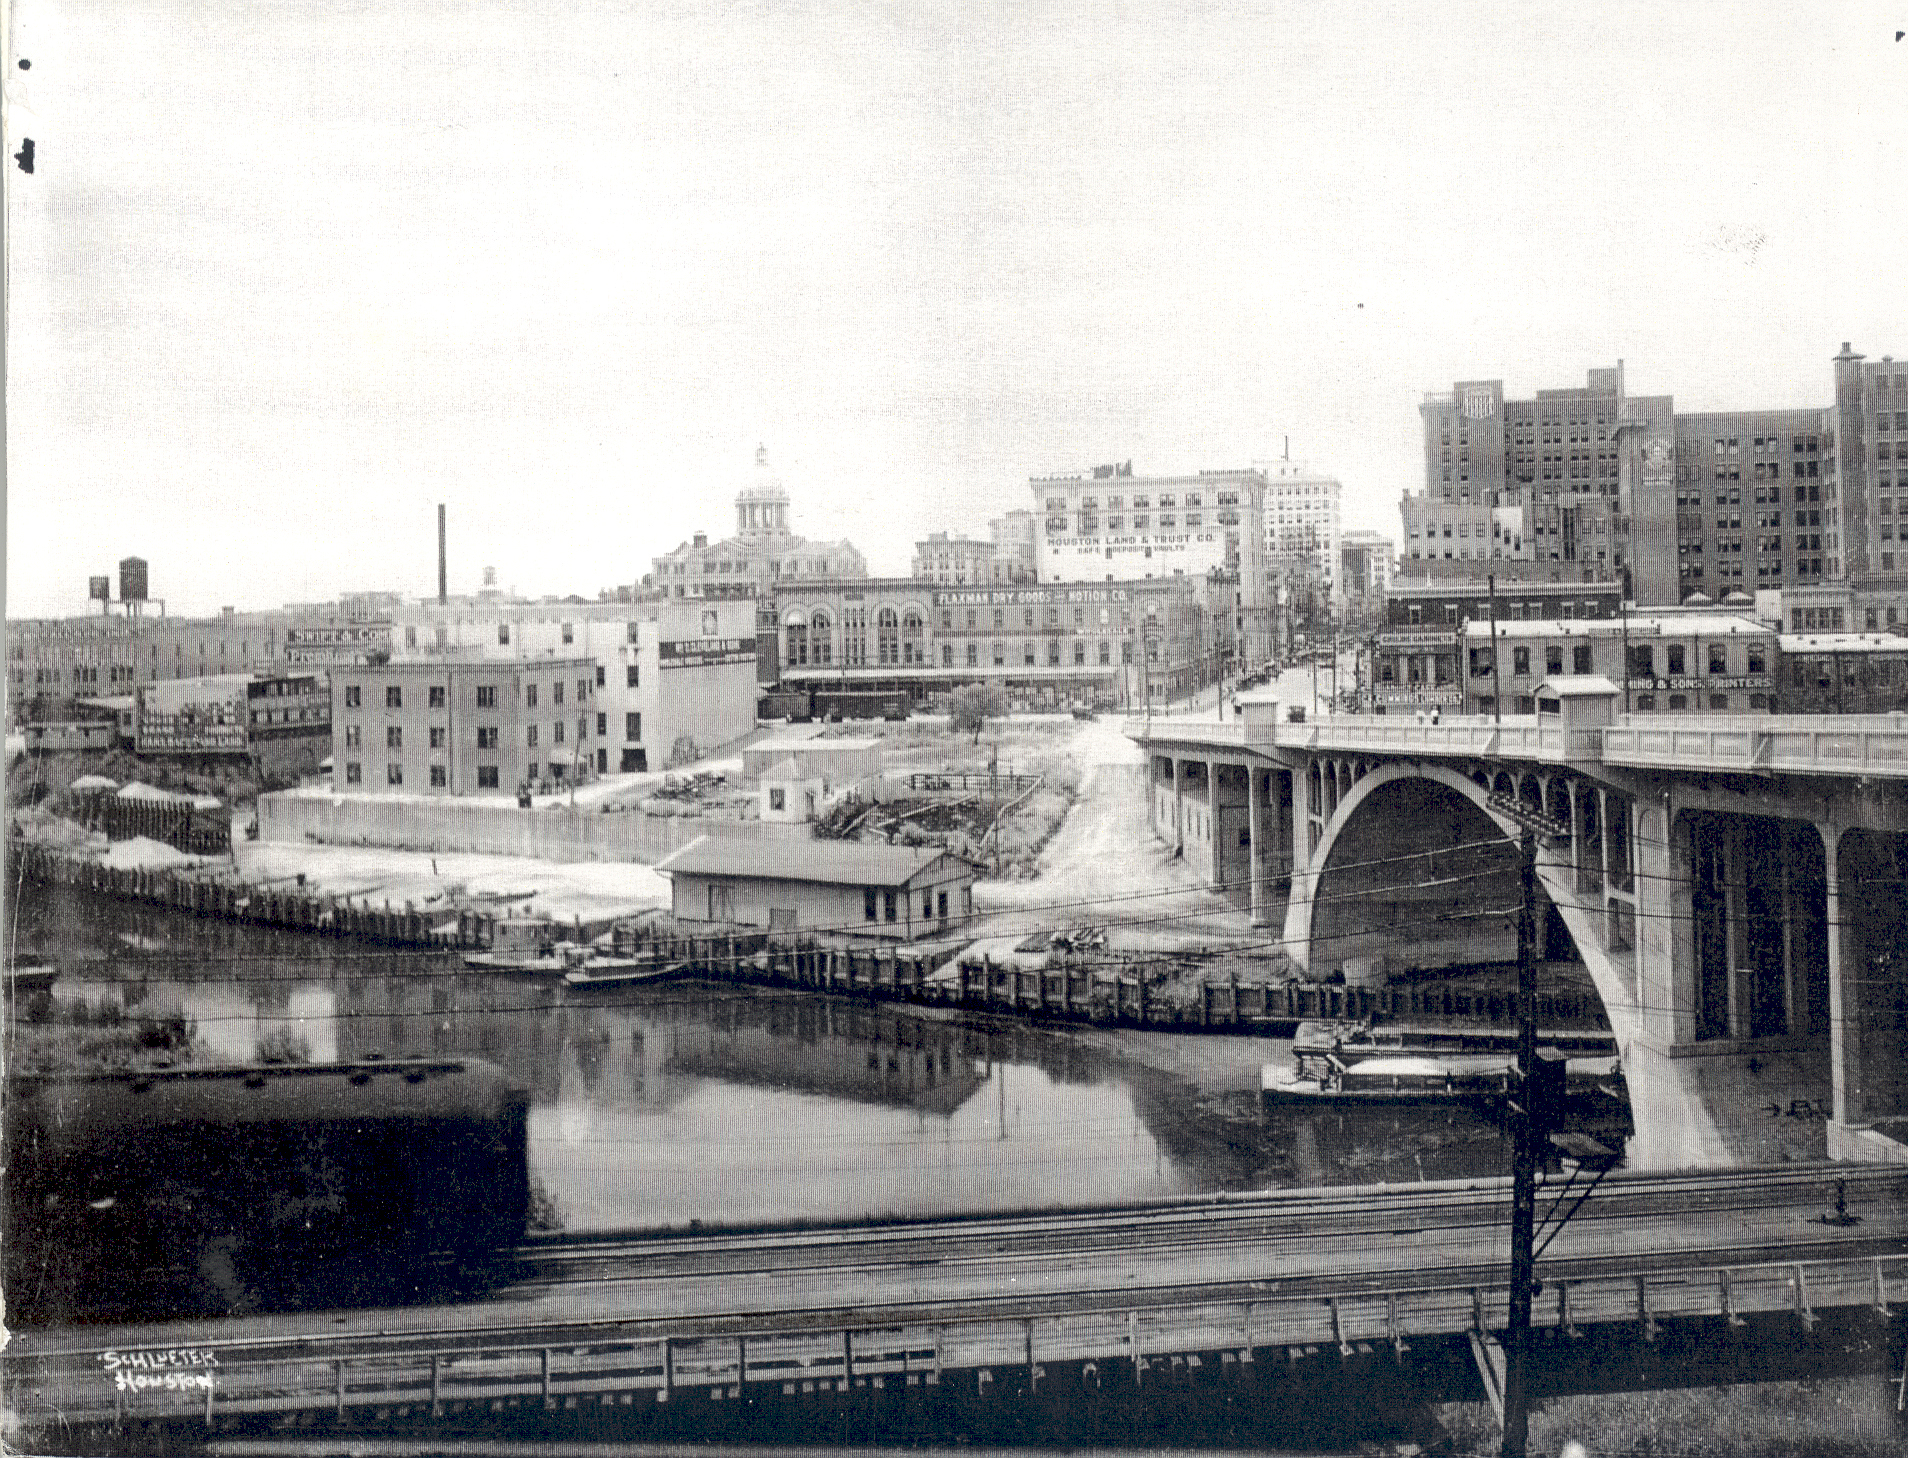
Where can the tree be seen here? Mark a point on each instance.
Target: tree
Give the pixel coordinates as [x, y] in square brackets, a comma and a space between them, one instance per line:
[971, 708]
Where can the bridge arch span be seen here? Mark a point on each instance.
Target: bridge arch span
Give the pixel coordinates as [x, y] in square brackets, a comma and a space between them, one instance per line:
[1411, 852]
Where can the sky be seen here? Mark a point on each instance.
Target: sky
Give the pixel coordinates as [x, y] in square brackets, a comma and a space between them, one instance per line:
[286, 276]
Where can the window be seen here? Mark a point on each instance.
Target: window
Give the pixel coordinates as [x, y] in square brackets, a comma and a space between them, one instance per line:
[351, 696]
[556, 732]
[394, 774]
[530, 737]
[1719, 701]
[354, 772]
[556, 692]
[1758, 659]
[439, 776]
[393, 736]
[1678, 701]
[1643, 661]
[602, 726]
[569, 633]
[632, 677]
[583, 688]
[632, 727]
[1553, 659]
[437, 695]
[1000, 655]
[530, 696]
[487, 736]
[869, 896]
[1520, 660]
[438, 736]
[503, 632]
[354, 736]
[486, 695]
[1718, 658]
[778, 798]
[888, 907]
[486, 776]
[1646, 701]
[1675, 655]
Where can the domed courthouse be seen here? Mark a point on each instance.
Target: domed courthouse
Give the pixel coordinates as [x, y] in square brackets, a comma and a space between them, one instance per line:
[763, 554]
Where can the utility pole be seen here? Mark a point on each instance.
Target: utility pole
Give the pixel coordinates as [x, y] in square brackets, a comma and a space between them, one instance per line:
[1527, 1131]
[1497, 689]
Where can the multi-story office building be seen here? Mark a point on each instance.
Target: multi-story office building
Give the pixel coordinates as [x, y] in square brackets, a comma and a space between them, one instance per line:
[1755, 501]
[1365, 561]
[1114, 526]
[763, 553]
[1804, 502]
[1302, 522]
[1531, 480]
[1871, 449]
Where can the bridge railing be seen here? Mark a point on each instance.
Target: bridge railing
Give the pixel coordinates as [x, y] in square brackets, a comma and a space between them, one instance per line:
[1868, 744]
[598, 1364]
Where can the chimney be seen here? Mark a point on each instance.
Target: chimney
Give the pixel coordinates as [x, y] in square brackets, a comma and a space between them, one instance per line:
[702, 539]
[443, 596]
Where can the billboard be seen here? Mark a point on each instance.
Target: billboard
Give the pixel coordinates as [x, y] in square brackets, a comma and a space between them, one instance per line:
[1131, 555]
[192, 716]
[702, 652]
[340, 643]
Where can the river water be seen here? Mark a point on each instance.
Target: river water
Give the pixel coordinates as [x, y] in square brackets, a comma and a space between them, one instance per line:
[696, 1102]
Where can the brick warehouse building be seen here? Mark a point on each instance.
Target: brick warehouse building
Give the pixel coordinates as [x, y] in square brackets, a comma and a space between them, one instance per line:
[470, 727]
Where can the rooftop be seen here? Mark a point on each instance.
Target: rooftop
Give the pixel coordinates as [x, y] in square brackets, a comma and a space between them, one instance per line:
[838, 862]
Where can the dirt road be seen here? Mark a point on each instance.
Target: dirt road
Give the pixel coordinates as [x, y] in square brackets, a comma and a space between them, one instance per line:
[1104, 867]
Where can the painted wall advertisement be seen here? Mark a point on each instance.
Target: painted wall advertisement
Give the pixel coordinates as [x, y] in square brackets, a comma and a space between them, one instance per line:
[1131, 554]
[702, 652]
[343, 643]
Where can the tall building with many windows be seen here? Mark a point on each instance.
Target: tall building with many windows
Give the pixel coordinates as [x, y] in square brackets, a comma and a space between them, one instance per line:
[1804, 503]
[1113, 526]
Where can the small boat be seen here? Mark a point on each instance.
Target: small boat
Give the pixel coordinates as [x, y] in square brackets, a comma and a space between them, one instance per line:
[555, 958]
[621, 971]
[1409, 1078]
[1355, 1041]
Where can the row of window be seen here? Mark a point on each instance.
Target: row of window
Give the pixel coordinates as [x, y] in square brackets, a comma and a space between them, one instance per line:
[436, 693]
[1140, 502]
[883, 903]
[487, 775]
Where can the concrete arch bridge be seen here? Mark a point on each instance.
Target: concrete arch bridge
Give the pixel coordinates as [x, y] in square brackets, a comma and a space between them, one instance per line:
[1736, 887]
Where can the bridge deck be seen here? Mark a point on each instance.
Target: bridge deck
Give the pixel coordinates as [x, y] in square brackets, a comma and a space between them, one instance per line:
[1838, 744]
[1227, 1281]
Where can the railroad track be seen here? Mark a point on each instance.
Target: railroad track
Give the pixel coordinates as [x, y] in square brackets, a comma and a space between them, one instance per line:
[1241, 1248]
[1285, 1217]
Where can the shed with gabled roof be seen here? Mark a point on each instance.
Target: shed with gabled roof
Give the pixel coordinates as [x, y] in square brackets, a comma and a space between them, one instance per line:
[893, 892]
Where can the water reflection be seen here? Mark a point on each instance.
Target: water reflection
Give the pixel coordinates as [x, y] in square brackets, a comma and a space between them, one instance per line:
[663, 1105]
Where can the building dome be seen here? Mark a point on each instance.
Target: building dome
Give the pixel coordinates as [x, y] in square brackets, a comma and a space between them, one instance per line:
[761, 506]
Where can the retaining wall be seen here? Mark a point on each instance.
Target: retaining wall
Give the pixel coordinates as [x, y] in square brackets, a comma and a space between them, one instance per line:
[493, 827]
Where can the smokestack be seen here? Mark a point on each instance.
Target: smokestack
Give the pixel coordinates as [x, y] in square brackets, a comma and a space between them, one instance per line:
[443, 595]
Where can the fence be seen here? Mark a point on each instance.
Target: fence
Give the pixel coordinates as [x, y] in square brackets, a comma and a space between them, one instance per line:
[1105, 990]
[292, 909]
[176, 822]
[1085, 992]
